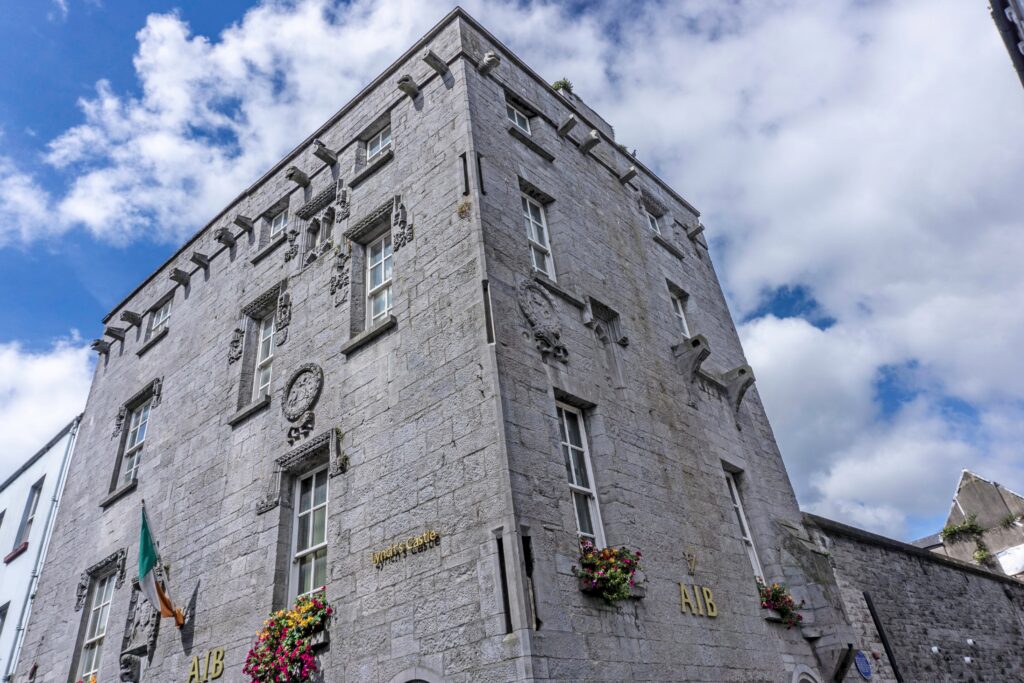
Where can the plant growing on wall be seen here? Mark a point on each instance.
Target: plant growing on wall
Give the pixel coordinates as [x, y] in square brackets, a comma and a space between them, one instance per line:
[607, 572]
[776, 597]
[563, 84]
[283, 652]
[969, 529]
[1009, 520]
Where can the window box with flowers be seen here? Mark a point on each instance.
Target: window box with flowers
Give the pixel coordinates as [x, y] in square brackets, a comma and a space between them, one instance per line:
[608, 572]
[284, 651]
[777, 599]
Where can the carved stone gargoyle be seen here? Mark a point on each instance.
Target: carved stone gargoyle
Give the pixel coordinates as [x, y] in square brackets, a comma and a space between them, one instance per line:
[691, 354]
[736, 382]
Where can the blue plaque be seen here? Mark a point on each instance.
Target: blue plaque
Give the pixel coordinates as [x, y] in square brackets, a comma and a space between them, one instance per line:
[863, 665]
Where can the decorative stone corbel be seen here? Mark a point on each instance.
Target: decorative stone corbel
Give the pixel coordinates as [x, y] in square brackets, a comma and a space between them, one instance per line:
[435, 62]
[180, 276]
[296, 175]
[132, 318]
[693, 231]
[590, 142]
[567, 125]
[737, 381]
[200, 259]
[100, 346]
[488, 63]
[244, 222]
[407, 85]
[117, 333]
[323, 153]
[225, 237]
[628, 175]
[691, 354]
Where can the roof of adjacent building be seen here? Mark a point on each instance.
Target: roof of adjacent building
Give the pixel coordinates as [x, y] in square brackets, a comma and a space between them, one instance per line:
[40, 453]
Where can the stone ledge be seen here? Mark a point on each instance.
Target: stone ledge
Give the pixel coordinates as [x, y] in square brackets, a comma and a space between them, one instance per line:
[119, 494]
[18, 550]
[369, 335]
[269, 249]
[372, 168]
[553, 287]
[152, 342]
[514, 131]
[248, 411]
[668, 246]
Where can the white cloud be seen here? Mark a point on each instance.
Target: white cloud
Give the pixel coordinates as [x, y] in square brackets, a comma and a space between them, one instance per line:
[40, 392]
[24, 206]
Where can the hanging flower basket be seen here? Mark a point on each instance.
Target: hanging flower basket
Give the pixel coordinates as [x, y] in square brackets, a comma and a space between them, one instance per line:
[777, 599]
[284, 649]
[608, 572]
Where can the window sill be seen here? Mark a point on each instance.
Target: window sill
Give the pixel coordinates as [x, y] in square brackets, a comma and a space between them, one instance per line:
[668, 246]
[119, 494]
[152, 342]
[269, 249]
[514, 131]
[249, 410]
[18, 550]
[553, 287]
[364, 338]
[371, 168]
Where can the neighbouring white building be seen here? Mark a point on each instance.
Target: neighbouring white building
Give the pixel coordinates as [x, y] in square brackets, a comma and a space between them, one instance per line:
[28, 503]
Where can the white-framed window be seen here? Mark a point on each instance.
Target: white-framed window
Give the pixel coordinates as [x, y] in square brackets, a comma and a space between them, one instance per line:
[161, 316]
[679, 308]
[279, 222]
[378, 143]
[378, 279]
[741, 519]
[137, 425]
[536, 222]
[576, 452]
[653, 222]
[309, 557]
[518, 117]
[31, 506]
[264, 355]
[96, 626]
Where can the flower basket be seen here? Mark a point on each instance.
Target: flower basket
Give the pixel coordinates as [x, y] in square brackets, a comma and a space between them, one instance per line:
[608, 572]
[782, 608]
[284, 649]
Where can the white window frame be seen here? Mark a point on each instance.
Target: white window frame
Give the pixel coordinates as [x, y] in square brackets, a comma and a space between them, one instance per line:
[535, 229]
[278, 222]
[31, 506]
[653, 222]
[568, 450]
[96, 626]
[679, 308]
[518, 117]
[312, 549]
[385, 289]
[266, 329]
[741, 518]
[138, 424]
[378, 143]
[160, 316]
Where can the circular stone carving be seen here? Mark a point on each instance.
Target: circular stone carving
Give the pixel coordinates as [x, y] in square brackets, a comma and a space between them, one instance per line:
[537, 305]
[302, 391]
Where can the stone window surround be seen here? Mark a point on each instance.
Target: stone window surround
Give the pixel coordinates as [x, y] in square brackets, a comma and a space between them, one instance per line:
[150, 393]
[151, 338]
[589, 491]
[251, 314]
[111, 567]
[266, 221]
[363, 233]
[746, 535]
[532, 193]
[680, 295]
[293, 583]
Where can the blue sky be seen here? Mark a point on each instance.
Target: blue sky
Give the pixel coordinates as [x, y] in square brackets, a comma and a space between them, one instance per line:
[857, 165]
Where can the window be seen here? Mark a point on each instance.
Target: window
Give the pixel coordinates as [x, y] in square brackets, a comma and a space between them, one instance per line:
[679, 308]
[516, 116]
[537, 233]
[31, 506]
[653, 222]
[265, 355]
[310, 556]
[378, 279]
[573, 440]
[279, 222]
[741, 518]
[3, 617]
[378, 143]
[160, 317]
[96, 626]
[137, 424]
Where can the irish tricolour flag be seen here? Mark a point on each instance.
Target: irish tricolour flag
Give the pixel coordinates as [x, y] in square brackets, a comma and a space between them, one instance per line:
[151, 587]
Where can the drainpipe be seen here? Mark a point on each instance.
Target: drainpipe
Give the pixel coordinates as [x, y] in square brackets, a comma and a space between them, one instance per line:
[26, 606]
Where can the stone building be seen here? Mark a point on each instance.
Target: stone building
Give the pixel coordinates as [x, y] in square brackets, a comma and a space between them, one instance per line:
[459, 319]
[1009, 18]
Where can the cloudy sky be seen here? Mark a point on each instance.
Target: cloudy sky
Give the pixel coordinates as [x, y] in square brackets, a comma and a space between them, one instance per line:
[859, 165]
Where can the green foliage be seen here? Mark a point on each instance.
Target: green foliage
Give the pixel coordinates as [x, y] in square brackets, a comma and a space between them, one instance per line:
[563, 84]
[983, 556]
[607, 571]
[282, 652]
[964, 531]
[776, 597]
[1009, 520]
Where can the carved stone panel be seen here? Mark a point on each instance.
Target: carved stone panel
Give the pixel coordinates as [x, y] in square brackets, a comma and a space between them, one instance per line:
[114, 563]
[141, 625]
[340, 279]
[540, 313]
[302, 391]
[324, 446]
[235, 345]
[401, 229]
[283, 317]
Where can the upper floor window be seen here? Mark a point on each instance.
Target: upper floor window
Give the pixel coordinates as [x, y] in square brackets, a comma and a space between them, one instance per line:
[573, 442]
[741, 519]
[96, 626]
[679, 308]
[518, 117]
[29, 516]
[378, 279]
[137, 425]
[378, 144]
[279, 222]
[3, 617]
[535, 219]
[309, 559]
[160, 317]
[267, 327]
[653, 222]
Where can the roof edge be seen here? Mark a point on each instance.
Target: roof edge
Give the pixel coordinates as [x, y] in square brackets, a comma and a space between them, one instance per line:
[42, 451]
